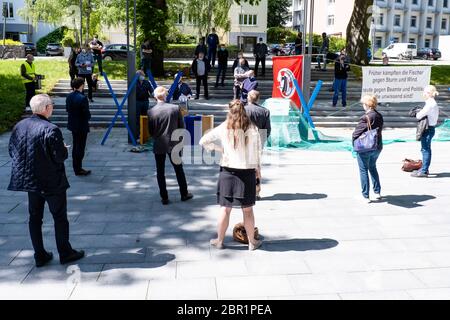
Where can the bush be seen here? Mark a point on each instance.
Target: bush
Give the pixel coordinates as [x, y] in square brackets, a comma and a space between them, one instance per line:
[55, 36]
[69, 39]
[175, 36]
[280, 35]
[10, 42]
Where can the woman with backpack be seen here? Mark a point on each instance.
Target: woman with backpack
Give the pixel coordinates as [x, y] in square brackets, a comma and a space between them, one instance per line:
[368, 155]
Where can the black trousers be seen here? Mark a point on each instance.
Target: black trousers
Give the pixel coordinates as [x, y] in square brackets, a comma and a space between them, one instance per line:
[79, 145]
[98, 57]
[57, 203]
[160, 174]
[30, 88]
[221, 72]
[199, 80]
[88, 78]
[263, 64]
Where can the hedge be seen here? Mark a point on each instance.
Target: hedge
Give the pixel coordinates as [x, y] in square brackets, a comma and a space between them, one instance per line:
[56, 36]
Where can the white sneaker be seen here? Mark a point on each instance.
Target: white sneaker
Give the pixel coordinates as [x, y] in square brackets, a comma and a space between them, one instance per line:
[378, 196]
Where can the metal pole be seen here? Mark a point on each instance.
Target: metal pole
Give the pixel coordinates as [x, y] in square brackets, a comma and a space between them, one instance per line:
[131, 73]
[134, 26]
[307, 55]
[4, 11]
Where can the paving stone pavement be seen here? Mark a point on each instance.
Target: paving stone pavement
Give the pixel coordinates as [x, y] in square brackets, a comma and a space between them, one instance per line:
[321, 240]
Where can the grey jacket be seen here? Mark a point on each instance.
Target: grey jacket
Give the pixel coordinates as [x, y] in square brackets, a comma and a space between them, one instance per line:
[259, 116]
[163, 120]
[422, 124]
[86, 59]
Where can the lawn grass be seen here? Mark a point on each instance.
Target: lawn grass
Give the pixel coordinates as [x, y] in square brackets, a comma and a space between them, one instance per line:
[12, 91]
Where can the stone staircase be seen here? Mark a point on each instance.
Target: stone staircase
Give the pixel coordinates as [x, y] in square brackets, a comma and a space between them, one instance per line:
[323, 114]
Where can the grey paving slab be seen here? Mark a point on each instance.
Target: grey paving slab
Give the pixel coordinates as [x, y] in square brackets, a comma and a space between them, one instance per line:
[96, 291]
[36, 291]
[383, 295]
[434, 278]
[125, 273]
[430, 294]
[182, 289]
[6, 256]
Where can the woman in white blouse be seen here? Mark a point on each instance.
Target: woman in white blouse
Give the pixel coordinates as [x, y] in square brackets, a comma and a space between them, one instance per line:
[240, 144]
[431, 111]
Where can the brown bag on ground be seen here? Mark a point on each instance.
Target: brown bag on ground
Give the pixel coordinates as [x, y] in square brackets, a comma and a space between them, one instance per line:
[240, 235]
[411, 165]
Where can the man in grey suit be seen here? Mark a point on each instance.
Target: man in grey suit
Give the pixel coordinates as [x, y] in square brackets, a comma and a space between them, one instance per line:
[260, 117]
[163, 119]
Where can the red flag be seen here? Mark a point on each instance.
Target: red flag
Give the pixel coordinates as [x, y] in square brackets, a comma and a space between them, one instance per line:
[285, 70]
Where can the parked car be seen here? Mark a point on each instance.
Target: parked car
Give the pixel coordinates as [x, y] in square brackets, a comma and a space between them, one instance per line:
[429, 53]
[30, 47]
[54, 49]
[116, 51]
[401, 50]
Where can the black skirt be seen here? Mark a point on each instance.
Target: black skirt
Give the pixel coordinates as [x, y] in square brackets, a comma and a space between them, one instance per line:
[236, 187]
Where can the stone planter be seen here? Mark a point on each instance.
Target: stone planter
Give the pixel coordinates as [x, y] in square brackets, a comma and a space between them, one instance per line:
[12, 52]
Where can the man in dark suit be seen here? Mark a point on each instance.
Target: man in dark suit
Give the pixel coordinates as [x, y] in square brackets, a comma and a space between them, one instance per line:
[163, 119]
[77, 106]
[260, 52]
[260, 117]
[38, 153]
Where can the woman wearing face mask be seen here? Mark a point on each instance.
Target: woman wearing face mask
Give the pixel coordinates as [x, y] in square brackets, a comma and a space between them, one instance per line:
[85, 64]
[367, 161]
[236, 61]
[431, 111]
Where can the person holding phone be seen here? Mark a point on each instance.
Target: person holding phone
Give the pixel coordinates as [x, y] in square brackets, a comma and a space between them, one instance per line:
[85, 63]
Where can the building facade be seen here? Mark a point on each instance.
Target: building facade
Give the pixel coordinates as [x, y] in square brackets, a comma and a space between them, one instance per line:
[417, 21]
[19, 29]
[248, 24]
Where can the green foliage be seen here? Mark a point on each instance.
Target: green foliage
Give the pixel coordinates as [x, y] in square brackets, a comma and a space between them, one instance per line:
[278, 12]
[10, 42]
[55, 36]
[176, 36]
[280, 35]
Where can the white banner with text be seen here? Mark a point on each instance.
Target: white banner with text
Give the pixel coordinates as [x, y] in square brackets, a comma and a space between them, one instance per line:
[396, 84]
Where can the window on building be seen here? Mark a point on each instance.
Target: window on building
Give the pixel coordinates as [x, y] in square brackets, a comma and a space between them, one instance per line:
[444, 24]
[248, 19]
[331, 20]
[413, 21]
[397, 19]
[396, 39]
[412, 40]
[415, 2]
[8, 10]
[429, 22]
[427, 43]
[430, 3]
[381, 19]
[398, 1]
[445, 5]
[179, 19]
[378, 42]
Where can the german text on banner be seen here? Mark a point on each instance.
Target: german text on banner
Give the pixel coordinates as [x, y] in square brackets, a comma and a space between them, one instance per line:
[396, 84]
[285, 70]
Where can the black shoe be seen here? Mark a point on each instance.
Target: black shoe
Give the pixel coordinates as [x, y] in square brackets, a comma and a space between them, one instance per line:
[216, 85]
[83, 172]
[196, 98]
[74, 256]
[40, 262]
[207, 98]
[187, 197]
[91, 100]
[165, 201]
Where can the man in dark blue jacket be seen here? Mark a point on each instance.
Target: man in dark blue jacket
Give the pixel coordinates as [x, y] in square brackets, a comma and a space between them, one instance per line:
[248, 85]
[213, 42]
[77, 106]
[38, 153]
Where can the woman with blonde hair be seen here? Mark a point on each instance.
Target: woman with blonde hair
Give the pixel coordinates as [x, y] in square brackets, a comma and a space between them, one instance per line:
[431, 111]
[367, 161]
[240, 144]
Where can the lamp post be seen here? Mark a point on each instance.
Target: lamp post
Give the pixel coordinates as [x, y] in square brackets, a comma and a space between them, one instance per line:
[307, 57]
[4, 11]
[131, 72]
[81, 23]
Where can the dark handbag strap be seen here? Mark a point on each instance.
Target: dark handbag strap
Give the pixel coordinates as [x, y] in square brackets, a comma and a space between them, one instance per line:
[369, 126]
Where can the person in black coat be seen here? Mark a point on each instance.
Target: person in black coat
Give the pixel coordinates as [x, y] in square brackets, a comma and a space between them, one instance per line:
[367, 161]
[38, 152]
[222, 56]
[200, 68]
[260, 51]
[163, 120]
[201, 47]
[77, 107]
[341, 69]
[73, 70]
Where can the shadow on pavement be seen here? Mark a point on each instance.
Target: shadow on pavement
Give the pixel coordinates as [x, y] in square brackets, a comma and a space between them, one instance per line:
[407, 201]
[299, 244]
[440, 175]
[295, 196]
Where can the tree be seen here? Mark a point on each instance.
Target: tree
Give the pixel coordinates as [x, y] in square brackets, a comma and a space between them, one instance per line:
[277, 13]
[358, 31]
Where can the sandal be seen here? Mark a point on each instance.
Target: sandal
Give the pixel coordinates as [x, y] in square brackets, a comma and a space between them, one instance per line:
[215, 243]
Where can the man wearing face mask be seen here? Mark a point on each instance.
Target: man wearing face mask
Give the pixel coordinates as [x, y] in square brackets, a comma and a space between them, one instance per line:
[222, 56]
[260, 52]
[144, 91]
[236, 61]
[200, 67]
[85, 63]
[28, 73]
[97, 46]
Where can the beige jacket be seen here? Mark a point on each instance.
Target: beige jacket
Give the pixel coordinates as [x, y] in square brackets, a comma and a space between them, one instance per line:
[244, 156]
